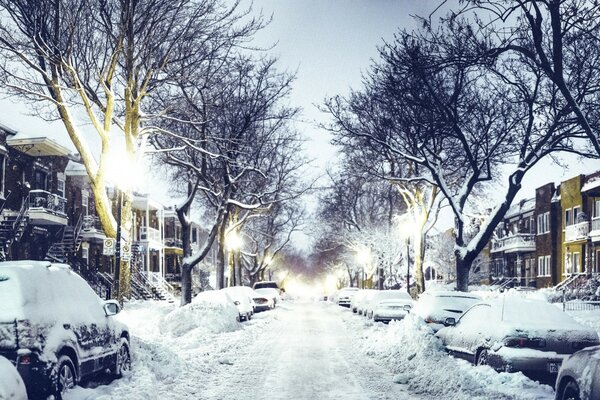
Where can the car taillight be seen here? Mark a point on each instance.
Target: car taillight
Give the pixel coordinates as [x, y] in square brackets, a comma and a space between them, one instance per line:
[535, 343]
[25, 359]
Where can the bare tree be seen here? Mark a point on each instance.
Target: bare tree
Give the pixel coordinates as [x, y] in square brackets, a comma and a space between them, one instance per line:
[93, 65]
[460, 115]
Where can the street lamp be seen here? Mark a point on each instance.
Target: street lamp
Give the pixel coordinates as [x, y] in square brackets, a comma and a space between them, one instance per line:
[233, 242]
[407, 226]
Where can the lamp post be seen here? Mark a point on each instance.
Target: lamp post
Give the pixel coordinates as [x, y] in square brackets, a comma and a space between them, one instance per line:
[118, 244]
[408, 264]
[233, 241]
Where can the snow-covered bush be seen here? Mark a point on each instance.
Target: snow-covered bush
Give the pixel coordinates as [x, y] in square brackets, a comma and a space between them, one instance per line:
[11, 384]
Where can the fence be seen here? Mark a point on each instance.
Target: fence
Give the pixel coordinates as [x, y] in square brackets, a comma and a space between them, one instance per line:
[581, 306]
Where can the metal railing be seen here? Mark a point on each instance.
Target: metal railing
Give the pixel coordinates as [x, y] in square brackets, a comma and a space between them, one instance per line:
[581, 305]
[578, 231]
[91, 223]
[173, 242]
[524, 241]
[149, 234]
[41, 199]
[156, 280]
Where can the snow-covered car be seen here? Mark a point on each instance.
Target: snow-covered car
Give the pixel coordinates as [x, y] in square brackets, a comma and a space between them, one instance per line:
[11, 383]
[579, 376]
[365, 299]
[345, 296]
[55, 329]
[387, 305]
[265, 284]
[250, 292]
[242, 301]
[262, 302]
[511, 333]
[436, 306]
[357, 299]
[271, 293]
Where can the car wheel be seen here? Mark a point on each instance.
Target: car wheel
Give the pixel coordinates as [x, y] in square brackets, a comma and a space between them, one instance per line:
[123, 362]
[482, 357]
[570, 391]
[65, 376]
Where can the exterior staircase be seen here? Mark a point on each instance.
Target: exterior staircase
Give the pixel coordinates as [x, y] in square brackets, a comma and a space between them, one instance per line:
[68, 245]
[12, 228]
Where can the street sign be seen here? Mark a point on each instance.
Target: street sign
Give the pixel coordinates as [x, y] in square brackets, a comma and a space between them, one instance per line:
[109, 247]
[125, 251]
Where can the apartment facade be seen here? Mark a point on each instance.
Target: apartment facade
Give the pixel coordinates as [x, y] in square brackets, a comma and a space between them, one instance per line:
[551, 237]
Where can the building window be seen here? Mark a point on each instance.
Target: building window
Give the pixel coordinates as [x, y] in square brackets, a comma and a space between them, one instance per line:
[2, 173]
[568, 217]
[576, 212]
[543, 223]
[85, 201]
[596, 211]
[576, 263]
[60, 185]
[543, 266]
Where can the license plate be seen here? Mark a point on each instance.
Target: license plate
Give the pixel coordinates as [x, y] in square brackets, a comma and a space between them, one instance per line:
[553, 367]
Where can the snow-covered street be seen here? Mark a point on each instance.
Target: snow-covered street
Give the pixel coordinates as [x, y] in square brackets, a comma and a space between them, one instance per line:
[301, 350]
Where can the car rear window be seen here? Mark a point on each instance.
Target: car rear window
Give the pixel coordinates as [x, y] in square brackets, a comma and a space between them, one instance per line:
[262, 285]
[10, 296]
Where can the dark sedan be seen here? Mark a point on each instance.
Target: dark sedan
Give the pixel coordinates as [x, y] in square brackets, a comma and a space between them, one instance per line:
[579, 376]
[514, 334]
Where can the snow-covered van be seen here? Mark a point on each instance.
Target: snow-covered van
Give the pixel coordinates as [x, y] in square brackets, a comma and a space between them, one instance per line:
[55, 329]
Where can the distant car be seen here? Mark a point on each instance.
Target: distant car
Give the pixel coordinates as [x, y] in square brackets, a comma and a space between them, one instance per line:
[579, 376]
[387, 305]
[265, 284]
[516, 334]
[11, 383]
[435, 307]
[262, 302]
[357, 299]
[345, 296]
[242, 300]
[55, 329]
[272, 293]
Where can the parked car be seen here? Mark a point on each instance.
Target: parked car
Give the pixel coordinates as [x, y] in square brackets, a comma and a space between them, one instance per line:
[242, 301]
[262, 302]
[365, 298]
[55, 329]
[516, 334]
[250, 292]
[435, 307]
[579, 376]
[345, 296]
[386, 305]
[272, 293]
[11, 383]
[265, 284]
[357, 299]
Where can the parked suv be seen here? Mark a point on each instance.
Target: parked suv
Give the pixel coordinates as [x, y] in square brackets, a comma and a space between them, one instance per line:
[55, 329]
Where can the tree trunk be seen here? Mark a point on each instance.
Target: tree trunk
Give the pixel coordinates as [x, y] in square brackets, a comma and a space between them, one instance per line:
[419, 250]
[221, 258]
[238, 269]
[463, 267]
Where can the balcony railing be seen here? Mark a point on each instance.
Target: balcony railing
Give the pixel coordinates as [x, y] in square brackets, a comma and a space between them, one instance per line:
[91, 223]
[173, 242]
[149, 234]
[514, 243]
[46, 201]
[576, 232]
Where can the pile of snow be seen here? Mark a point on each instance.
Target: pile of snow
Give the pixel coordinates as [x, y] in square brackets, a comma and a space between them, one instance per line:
[11, 384]
[209, 312]
[419, 360]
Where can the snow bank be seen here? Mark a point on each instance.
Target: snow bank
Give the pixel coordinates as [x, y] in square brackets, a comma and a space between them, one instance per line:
[209, 312]
[418, 359]
[11, 384]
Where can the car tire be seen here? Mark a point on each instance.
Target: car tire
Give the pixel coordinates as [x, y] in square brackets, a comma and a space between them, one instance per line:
[482, 357]
[123, 359]
[570, 391]
[65, 376]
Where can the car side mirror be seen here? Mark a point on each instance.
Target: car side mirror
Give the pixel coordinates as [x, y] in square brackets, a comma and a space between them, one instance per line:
[407, 307]
[111, 307]
[237, 303]
[450, 322]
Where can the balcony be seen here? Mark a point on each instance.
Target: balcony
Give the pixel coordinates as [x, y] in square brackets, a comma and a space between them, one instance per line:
[174, 242]
[91, 228]
[151, 237]
[45, 208]
[517, 243]
[577, 232]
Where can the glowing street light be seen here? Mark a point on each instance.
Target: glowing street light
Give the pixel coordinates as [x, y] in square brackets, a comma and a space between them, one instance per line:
[233, 241]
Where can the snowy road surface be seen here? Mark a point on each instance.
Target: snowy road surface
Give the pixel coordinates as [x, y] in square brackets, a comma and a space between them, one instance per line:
[305, 354]
[301, 350]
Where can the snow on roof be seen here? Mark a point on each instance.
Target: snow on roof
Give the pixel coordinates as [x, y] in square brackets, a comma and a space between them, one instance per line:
[592, 183]
[75, 168]
[522, 207]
